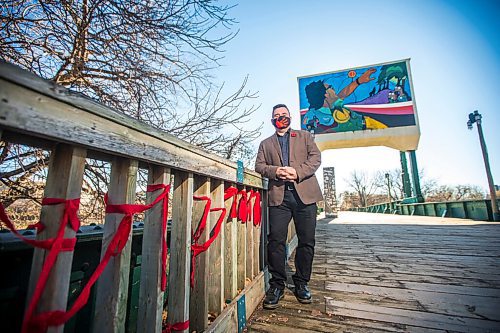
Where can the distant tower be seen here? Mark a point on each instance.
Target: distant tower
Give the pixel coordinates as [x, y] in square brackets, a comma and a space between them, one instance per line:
[331, 209]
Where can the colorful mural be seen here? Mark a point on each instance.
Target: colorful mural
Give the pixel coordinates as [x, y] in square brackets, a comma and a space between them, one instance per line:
[368, 98]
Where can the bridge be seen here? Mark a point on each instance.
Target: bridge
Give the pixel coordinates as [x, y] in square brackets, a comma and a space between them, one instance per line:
[206, 269]
[391, 273]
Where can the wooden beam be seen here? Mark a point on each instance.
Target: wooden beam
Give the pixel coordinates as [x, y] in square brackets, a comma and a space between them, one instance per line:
[216, 254]
[230, 253]
[112, 286]
[254, 294]
[228, 319]
[33, 105]
[149, 317]
[180, 253]
[264, 229]
[256, 239]
[64, 181]
[198, 304]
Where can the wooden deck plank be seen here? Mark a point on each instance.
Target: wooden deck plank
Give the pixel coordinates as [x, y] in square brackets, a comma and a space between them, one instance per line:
[481, 307]
[396, 275]
[409, 317]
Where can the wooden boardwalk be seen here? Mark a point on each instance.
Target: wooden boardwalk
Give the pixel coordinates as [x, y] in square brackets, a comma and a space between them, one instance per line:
[386, 273]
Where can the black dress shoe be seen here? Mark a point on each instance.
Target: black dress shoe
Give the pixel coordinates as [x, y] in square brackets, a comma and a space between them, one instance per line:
[303, 294]
[273, 297]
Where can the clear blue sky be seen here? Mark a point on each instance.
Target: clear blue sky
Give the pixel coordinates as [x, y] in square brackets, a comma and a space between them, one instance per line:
[454, 48]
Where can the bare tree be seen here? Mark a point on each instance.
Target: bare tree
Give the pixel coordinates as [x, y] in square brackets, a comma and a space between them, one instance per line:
[152, 60]
[363, 185]
[373, 190]
[440, 193]
[468, 192]
[393, 184]
[455, 193]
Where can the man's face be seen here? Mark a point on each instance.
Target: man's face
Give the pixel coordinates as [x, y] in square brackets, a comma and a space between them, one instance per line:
[281, 124]
[280, 112]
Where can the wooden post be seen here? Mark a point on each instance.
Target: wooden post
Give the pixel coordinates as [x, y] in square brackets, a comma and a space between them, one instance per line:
[242, 252]
[256, 239]
[64, 181]
[149, 317]
[180, 249]
[230, 252]
[112, 286]
[198, 305]
[215, 254]
[264, 229]
[250, 244]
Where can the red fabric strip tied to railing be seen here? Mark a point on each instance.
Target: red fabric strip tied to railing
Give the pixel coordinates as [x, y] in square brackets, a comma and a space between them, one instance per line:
[257, 210]
[164, 249]
[231, 192]
[243, 209]
[38, 323]
[196, 249]
[176, 327]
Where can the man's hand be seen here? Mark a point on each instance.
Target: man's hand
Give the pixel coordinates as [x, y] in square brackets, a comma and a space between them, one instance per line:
[286, 173]
[291, 173]
[281, 173]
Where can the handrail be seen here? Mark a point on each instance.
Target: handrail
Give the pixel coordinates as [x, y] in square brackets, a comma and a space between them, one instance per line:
[39, 103]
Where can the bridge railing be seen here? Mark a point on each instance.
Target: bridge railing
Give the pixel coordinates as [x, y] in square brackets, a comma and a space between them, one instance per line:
[39, 113]
[465, 209]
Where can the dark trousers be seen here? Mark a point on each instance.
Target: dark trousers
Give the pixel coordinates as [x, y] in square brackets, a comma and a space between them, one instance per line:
[304, 217]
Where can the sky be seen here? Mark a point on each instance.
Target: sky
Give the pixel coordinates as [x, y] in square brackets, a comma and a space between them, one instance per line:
[454, 47]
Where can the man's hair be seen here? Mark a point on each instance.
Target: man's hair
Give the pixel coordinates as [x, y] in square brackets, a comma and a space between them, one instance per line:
[277, 106]
[315, 92]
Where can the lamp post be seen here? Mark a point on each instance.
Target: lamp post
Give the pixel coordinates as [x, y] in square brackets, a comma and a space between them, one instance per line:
[475, 117]
[388, 189]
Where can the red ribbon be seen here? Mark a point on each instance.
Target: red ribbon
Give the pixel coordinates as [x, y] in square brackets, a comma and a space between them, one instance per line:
[164, 249]
[243, 207]
[196, 249]
[257, 210]
[244, 210]
[38, 323]
[176, 327]
[231, 192]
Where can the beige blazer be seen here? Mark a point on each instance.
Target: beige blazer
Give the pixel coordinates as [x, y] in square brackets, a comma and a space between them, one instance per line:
[305, 157]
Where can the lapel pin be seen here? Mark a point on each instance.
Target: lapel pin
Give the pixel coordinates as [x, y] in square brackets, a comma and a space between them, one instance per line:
[293, 134]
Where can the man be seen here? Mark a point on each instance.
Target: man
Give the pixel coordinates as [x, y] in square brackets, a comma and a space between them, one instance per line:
[289, 159]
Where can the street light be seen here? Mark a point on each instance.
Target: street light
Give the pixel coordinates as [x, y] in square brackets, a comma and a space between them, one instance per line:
[388, 189]
[476, 117]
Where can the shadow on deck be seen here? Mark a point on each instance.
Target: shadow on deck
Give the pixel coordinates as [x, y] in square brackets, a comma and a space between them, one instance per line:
[384, 273]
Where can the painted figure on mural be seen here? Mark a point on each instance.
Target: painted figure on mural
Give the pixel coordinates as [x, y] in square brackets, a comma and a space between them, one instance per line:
[326, 107]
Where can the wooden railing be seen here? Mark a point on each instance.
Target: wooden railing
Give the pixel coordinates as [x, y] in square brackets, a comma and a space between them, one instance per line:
[41, 114]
